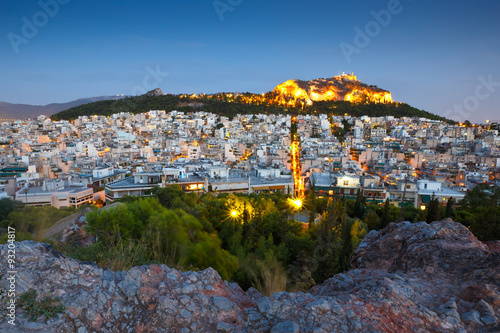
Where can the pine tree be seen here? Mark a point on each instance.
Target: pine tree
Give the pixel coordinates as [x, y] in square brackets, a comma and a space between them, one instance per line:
[359, 205]
[372, 220]
[433, 210]
[246, 215]
[449, 208]
[312, 206]
[385, 215]
[327, 252]
[347, 247]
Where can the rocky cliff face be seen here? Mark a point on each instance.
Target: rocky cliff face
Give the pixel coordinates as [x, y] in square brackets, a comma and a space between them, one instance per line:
[344, 87]
[406, 278]
[155, 92]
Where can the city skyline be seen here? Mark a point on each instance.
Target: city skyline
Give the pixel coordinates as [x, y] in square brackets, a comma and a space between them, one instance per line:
[443, 58]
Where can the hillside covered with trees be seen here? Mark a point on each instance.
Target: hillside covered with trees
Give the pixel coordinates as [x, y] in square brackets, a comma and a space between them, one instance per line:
[230, 105]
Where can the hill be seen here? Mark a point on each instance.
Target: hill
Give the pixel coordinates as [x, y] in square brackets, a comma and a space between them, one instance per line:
[24, 111]
[338, 95]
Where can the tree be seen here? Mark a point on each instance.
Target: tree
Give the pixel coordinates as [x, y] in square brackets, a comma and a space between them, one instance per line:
[359, 205]
[31, 220]
[300, 273]
[311, 204]
[167, 195]
[372, 220]
[385, 215]
[7, 206]
[331, 219]
[327, 243]
[245, 214]
[170, 236]
[433, 210]
[480, 211]
[347, 246]
[449, 208]
[358, 232]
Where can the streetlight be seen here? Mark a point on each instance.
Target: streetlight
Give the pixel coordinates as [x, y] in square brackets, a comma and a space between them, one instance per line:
[233, 215]
[296, 205]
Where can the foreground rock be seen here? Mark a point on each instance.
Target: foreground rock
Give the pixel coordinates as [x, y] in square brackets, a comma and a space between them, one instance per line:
[406, 278]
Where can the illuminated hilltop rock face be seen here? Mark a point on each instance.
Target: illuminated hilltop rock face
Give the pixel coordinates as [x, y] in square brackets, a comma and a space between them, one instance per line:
[345, 87]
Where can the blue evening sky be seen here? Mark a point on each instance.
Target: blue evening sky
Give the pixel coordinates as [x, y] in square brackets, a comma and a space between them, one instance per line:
[430, 55]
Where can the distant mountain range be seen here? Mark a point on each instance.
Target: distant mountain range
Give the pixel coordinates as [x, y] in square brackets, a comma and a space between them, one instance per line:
[24, 111]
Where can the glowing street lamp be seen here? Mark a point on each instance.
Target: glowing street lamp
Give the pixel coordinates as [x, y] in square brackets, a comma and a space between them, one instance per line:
[297, 203]
[233, 215]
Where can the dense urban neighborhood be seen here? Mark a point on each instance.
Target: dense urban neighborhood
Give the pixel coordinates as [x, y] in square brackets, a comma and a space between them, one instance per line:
[99, 159]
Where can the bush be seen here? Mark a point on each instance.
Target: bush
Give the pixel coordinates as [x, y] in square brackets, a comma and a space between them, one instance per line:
[33, 219]
[145, 231]
[47, 307]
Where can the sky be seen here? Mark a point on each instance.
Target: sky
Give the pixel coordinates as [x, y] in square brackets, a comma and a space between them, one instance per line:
[442, 56]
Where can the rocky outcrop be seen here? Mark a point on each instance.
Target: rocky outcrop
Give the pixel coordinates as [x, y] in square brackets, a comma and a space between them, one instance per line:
[345, 87]
[155, 92]
[407, 278]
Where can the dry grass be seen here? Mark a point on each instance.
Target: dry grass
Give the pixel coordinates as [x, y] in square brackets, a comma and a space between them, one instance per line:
[125, 254]
[268, 276]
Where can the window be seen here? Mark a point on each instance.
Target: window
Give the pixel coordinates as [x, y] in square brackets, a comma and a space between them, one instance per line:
[346, 182]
